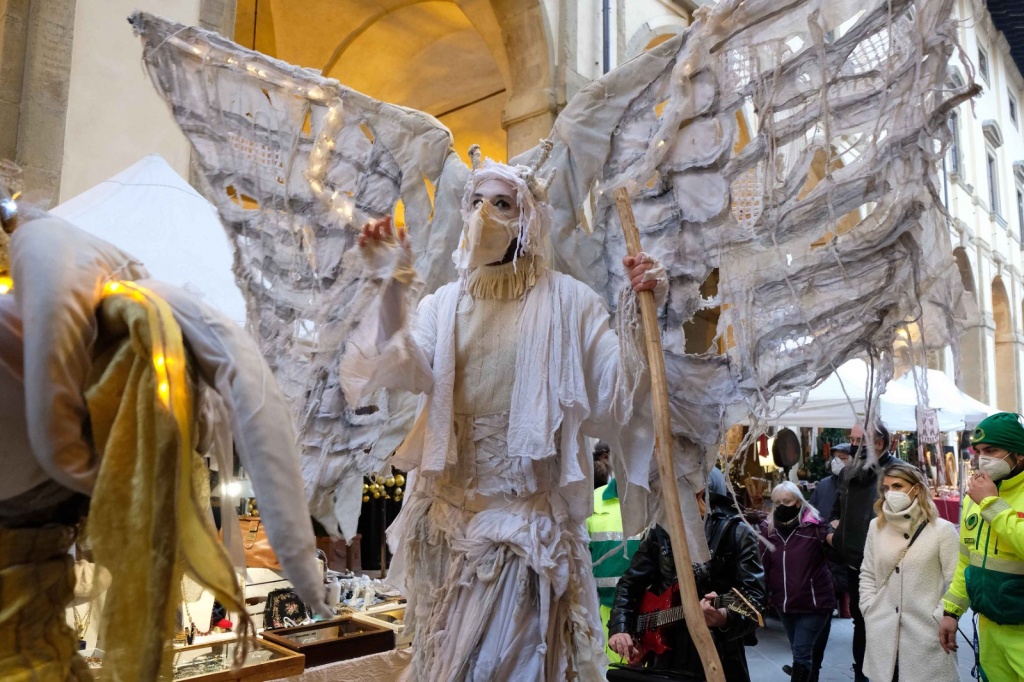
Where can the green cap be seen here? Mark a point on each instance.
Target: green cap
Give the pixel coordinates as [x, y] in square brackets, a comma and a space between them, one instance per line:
[1004, 430]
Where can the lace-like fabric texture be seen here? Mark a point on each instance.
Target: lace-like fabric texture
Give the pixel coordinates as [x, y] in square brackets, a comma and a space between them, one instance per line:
[825, 227]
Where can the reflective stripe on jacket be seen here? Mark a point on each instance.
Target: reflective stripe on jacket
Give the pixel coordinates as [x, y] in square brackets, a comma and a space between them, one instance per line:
[610, 557]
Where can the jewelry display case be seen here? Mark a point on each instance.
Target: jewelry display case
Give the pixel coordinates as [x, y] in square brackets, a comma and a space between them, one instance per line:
[214, 662]
[333, 640]
[392, 618]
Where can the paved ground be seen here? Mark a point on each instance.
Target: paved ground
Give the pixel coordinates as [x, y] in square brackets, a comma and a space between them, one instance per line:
[772, 652]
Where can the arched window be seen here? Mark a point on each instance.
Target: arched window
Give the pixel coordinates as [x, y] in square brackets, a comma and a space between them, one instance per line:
[954, 144]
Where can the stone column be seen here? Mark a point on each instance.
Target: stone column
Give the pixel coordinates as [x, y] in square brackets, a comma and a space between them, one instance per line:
[14, 16]
[532, 104]
[47, 78]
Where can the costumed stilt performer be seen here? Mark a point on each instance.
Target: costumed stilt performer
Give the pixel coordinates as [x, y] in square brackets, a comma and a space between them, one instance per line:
[515, 364]
[513, 361]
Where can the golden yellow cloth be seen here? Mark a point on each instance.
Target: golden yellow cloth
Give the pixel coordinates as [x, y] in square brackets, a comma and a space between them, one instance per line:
[147, 520]
[37, 579]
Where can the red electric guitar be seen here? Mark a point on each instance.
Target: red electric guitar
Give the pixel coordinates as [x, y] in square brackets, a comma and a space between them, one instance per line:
[660, 610]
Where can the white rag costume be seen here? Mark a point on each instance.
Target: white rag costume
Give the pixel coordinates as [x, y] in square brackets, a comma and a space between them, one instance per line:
[515, 364]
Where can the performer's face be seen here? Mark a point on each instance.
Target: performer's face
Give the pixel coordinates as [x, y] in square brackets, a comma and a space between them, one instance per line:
[492, 227]
[501, 195]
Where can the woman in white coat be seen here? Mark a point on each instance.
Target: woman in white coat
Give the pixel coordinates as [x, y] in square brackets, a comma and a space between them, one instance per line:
[909, 559]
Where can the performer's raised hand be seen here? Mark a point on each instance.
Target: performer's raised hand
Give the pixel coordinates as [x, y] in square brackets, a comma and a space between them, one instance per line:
[379, 231]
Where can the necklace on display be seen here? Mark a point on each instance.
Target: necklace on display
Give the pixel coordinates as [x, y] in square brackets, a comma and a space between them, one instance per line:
[191, 631]
[82, 625]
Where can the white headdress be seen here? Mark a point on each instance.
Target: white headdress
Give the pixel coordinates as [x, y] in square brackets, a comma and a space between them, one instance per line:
[531, 197]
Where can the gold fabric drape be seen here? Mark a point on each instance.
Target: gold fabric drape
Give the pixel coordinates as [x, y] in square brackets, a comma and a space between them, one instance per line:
[147, 520]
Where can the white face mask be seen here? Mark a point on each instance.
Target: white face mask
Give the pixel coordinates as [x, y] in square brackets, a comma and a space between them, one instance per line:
[897, 501]
[486, 236]
[996, 467]
[837, 465]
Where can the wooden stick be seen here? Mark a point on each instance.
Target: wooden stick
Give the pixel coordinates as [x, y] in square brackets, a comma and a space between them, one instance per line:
[699, 632]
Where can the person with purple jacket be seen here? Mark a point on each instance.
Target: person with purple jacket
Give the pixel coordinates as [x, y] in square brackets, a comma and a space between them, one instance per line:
[798, 577]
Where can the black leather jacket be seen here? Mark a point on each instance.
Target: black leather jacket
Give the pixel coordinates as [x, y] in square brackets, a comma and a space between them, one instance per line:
[734, 563]
[855, 507]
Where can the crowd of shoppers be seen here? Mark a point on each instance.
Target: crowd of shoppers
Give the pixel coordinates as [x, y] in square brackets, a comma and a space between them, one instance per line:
[905, 575]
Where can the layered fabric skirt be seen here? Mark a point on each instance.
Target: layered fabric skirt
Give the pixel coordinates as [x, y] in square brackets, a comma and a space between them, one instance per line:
[500, 586]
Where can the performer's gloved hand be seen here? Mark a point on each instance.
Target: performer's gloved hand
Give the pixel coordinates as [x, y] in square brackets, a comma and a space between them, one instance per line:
[647, 274]
[388, 256]
[379, 240]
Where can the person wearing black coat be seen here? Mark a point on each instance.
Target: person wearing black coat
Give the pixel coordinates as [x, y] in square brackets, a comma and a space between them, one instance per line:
[824, 499]
[851, 515]
[735, 563]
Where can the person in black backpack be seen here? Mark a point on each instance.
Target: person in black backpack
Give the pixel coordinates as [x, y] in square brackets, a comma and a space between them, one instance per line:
[735, 563]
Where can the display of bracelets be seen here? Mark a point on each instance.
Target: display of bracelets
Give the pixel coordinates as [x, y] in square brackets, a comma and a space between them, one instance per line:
[202, 665]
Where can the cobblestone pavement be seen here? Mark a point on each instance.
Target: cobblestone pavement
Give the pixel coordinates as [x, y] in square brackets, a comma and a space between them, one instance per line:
[772, 652]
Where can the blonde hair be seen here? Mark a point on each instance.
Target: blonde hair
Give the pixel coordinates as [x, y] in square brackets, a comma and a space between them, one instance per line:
[791, 488]
[908, 474]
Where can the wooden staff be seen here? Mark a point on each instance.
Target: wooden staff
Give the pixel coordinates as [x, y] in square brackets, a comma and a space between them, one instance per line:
[699, 632]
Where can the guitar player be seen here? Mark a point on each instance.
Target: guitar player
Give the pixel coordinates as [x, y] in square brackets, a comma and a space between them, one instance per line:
[734, 575]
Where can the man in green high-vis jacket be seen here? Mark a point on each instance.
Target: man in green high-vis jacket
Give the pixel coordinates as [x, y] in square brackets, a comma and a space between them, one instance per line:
[990, 574]
[610, 558]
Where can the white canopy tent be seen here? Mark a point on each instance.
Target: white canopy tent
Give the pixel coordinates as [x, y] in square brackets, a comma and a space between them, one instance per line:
[149, 211]
[944, 394]
[839, 402]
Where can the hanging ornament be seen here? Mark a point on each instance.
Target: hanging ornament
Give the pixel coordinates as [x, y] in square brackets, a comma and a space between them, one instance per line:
[399, 479]
[366, 488]
[366, 498]
[389, 482]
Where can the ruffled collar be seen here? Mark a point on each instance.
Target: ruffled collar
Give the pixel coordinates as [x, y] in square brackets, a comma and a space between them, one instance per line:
[505, 282]
[904, 521]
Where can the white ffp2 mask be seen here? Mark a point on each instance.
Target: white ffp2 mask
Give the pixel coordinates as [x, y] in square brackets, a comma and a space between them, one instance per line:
[897, 501]
[997, 468]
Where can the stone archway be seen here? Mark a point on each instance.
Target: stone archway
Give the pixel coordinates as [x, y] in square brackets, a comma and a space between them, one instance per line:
[1005, 365]
[972, 342]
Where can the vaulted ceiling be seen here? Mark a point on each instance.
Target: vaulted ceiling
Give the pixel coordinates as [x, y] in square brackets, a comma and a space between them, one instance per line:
[444, 57]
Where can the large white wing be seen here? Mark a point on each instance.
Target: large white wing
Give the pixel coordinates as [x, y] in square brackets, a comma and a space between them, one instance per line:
[295, 162]
[847, 93]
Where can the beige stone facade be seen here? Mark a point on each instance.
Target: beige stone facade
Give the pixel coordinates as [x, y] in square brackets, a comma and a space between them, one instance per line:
[984, 190]
[76, 107]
